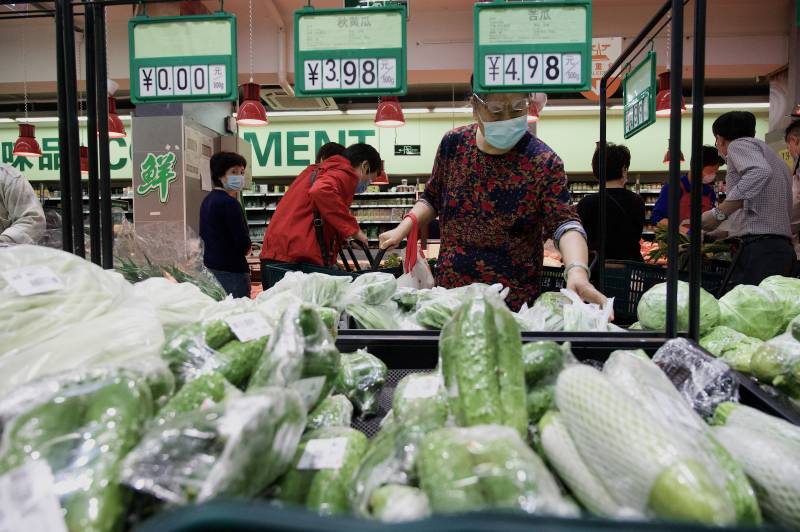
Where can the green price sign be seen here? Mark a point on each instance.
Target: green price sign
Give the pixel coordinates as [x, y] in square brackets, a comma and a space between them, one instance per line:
[533, 46]
[350, 52]
[639, 88]
[183, 59]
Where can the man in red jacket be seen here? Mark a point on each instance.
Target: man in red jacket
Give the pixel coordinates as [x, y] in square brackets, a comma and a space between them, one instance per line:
[292, 236]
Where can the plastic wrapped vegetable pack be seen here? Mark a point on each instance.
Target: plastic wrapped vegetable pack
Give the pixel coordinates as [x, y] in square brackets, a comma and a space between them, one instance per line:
[546, 314]
[40, 285]
[777, 363]
[587, 317]
[752, 311]
[543, 361]
[323, 469]
[300, 354]
[334, 411]
[203, 392]
[121, 337]
[234, 449]
[374, 288]
[480, 352]
[733, 347]
[787, 291]
[703, 381]
[648, 467]
[768, 449]
[176, 304]
[652, 308]
[316, 288]
[395, 503]
[487, 467]
[81, 425]
[360, 378]
[419, 406]
[150, 251]
[202, 348]
[381, 317]
[437, 310]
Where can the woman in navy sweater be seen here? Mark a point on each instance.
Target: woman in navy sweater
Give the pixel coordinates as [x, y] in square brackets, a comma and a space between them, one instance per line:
[223, 227]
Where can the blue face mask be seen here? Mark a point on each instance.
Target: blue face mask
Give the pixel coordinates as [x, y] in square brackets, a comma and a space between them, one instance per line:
[362, 187]
[505, 134]
[234, 182]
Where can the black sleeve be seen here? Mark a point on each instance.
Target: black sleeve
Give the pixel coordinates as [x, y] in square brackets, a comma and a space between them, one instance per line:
[237, 226]
[588, 212]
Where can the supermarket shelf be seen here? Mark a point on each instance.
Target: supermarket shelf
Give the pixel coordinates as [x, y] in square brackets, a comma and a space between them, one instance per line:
[378, 206]
[384, 194]
[257, 222]
[254, 208]
[374, 222]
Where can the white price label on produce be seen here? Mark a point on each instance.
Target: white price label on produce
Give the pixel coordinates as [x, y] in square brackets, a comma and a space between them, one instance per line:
[28, 500]
[323, 453]
[248, 326]
[422, 387]
[33, 280]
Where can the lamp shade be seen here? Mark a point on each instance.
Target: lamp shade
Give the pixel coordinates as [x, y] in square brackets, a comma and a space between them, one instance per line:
[390, 113]
[667, 158]
[381, 178]
[663, 98]
[26, 145]
[115, 128]
[533, 112]
[84, 154]
[251, 110]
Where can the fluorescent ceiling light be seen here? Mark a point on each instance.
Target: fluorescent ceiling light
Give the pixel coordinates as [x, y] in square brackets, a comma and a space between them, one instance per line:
[452, 110]
[416, 111]
[585, 108]
[51, 119]
[304, 113]
[737, 105]
[360, 112]
[7, 121]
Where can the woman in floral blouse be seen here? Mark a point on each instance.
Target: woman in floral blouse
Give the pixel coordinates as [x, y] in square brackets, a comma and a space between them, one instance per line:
[499, 192]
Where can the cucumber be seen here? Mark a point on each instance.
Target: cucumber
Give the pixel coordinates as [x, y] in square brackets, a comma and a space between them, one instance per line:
[510, 370]
[361, 377]
[541, 360]
[447, 473]
[335, 411]
[217, 334]
[209, 387]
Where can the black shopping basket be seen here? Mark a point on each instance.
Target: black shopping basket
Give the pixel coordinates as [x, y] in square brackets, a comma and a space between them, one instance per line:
[273, 272]
[551, 279]
[627, 281]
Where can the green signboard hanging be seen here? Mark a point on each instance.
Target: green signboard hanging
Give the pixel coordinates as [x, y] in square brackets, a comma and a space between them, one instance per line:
[639, 88]
[350, 52]
[183, 59]
[541, 46]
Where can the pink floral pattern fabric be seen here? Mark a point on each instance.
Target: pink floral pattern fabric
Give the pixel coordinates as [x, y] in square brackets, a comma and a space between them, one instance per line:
[496, 211]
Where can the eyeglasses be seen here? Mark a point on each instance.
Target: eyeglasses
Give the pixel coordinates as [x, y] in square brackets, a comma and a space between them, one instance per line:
[497, 108]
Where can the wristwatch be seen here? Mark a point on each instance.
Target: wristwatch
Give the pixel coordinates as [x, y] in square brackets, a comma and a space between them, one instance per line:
[569, 267]
[719, 215]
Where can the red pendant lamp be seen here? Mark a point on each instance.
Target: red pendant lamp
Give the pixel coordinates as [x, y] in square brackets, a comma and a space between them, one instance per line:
[84, 154]
[533, 112]
[115, 128]
[251, 110]
[663, 98]
[666, 155]
[381, 178]
[390, 113]
[26, 145]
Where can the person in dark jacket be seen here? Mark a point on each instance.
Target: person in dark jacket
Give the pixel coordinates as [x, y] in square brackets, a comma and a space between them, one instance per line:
[291, 235]
[624, 209]
[223, 227]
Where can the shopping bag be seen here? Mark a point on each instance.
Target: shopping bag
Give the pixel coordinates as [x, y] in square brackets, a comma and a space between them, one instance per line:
[416, 272]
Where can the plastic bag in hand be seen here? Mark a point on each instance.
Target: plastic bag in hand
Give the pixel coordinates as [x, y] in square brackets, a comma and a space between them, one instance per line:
[81, 424]
[234, 449]
[586, 317]
[417, 274]
[302, 355]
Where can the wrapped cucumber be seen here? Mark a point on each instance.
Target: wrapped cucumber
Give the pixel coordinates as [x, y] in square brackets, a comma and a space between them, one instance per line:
[72, 417]
[539, 401]
[205, 390]
[360, 378]
[481, 360]
[541, 361]
[323, 469]
[334, 411]
[373, 288]
[301, 354]
[234, 449]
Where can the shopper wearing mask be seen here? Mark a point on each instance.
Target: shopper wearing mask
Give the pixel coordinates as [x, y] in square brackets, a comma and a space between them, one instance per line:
[223, 227]
[792, 138]
[625, 209]
[758, 201]
[497, 190]
[711, 163]
[323, 192]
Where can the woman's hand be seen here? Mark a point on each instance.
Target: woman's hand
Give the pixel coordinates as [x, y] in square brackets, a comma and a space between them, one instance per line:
[361, 237]
[579, 283]
[392, 238]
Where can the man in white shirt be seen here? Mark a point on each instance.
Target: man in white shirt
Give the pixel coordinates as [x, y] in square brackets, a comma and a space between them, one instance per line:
[21, 216]
[792, 138]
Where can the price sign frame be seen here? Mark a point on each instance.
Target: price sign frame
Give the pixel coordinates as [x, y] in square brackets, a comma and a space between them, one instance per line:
[533, 51]
[190, 64]
[357, 56]
[643, 99]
